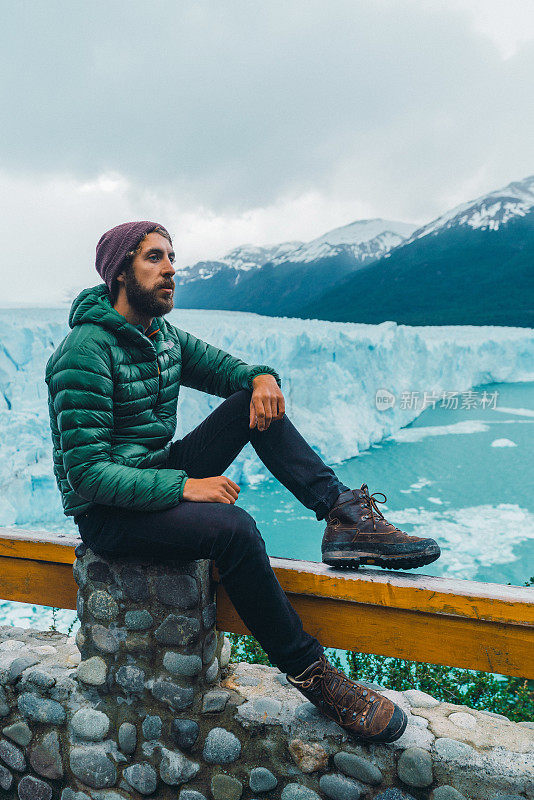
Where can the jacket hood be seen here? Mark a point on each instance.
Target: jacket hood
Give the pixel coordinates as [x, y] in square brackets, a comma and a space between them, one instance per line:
[94, 305]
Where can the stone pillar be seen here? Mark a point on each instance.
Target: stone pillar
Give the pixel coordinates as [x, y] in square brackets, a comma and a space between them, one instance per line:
[149, 658]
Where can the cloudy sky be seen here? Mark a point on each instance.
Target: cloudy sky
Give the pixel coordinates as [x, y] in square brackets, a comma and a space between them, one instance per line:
[233, 121]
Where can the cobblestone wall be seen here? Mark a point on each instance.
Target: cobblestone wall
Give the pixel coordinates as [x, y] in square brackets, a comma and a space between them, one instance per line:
[146, 703]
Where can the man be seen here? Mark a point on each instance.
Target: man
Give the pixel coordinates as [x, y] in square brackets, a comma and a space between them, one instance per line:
[113, 387]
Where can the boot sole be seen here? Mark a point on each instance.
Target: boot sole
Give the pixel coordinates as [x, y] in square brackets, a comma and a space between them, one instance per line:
[378, 739]
[341, 559]
[393, 736]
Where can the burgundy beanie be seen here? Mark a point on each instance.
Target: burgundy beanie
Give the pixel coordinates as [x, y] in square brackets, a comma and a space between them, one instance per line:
[115, 244]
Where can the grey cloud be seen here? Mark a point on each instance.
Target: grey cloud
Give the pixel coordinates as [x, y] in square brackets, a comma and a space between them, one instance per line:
[234, 104]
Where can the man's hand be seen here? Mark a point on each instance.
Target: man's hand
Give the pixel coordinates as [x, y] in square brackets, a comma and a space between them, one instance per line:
[267, 402]
[219, 489]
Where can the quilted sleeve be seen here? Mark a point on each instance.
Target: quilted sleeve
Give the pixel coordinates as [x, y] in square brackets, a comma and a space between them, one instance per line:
[81, 392]
[211, 370]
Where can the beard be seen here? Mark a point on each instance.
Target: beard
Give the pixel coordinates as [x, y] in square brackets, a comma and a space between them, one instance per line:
[148, 302]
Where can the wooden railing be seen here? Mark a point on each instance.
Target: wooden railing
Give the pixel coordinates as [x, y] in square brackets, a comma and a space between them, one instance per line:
[482, 626]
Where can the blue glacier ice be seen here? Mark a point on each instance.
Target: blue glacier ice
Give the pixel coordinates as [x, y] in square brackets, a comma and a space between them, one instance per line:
[330, 375]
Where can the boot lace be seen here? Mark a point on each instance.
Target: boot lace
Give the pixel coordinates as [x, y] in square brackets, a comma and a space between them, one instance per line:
[341, 694]
[370, 501]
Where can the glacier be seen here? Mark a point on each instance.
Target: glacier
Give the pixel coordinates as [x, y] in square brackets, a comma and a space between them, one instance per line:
[330, 374]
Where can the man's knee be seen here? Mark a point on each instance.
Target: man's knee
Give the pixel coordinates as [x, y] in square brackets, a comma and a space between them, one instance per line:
[240, 527]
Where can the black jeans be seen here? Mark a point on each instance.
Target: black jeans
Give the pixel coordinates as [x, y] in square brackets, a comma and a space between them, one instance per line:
[225, 532]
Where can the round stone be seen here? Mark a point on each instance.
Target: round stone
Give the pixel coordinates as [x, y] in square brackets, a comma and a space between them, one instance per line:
[446, 793]
[131, 678]
[190, 794]
[79, 572]
[224, 787]
[152, 726]
[179, 664]
[214, 700]
[99, 571]
[19, 665]
[177, 630]
[138, 643]
[31, 788]
[134, 583]
[221, 747]
[356, 767]
[4, 707]
[209, 648]
[209, 615]
[39, 678]
[39, 709]
[226, 651]
[414, 767]
[138, 620]
[104, 639]
[338, 787]
[184, 732]
[175, 768]
[70, 794]
[90, 724]
[79, 639]
[262, 780]
[93, 671]
[79, 604]
[142, 777]
[452, 750]
[177, 590]
[212, 672]
[6, 778]
[102, 606]
[127, 737]
[463, 720]
[19, 733]
[93, 767]
[12, 756]
[267, 705]
[45, 756]
[176, 697]
[418, 699]
[295, 791]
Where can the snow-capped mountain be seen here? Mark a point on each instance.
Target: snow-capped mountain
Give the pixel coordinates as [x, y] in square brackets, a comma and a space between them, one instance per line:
[470, 266]
[488, 212]
[365, 238]
[362, 240]
[293, 274]
[244, 258]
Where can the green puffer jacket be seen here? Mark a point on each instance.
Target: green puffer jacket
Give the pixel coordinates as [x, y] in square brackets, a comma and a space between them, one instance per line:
[112, 397]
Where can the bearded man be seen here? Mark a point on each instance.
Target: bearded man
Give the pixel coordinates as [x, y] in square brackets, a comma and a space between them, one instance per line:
[113, 387]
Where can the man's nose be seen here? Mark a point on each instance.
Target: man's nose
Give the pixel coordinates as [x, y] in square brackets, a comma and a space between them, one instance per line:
[168, 267]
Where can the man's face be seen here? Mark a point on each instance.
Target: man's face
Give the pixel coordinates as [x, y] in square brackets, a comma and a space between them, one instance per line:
[150, 276]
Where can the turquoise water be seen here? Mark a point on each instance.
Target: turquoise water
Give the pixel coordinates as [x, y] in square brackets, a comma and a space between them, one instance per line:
[443, 477]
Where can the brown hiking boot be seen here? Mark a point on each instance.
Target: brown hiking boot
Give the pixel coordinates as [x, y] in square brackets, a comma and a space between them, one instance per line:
[363, 712]
[358, 533]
